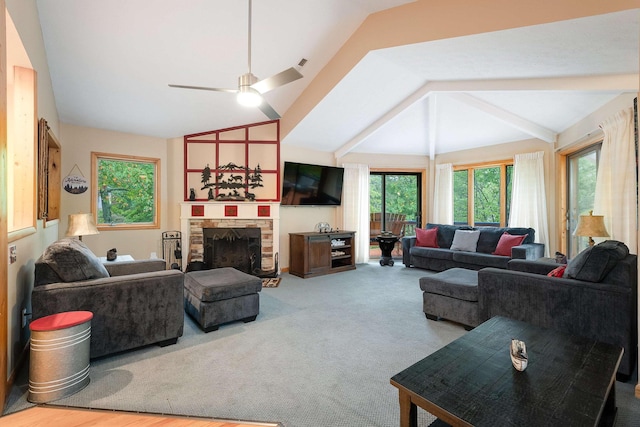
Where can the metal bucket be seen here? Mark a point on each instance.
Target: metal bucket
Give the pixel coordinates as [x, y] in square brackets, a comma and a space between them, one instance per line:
[59, 362]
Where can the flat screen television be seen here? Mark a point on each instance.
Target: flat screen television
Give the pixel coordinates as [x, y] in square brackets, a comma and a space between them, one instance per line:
[311, 185]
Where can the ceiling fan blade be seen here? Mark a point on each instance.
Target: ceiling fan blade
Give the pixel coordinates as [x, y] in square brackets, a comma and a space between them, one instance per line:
[268, 110]
[277, 80]
[215, 89]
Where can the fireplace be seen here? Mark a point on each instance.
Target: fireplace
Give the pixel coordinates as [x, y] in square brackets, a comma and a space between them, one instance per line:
[239, 248]
[262, 218]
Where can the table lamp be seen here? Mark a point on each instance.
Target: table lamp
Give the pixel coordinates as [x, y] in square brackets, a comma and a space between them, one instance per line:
[591, 226]
[81, 224]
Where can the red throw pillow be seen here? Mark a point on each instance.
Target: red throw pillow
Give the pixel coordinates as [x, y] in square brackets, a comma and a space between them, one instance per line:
[427, 238]
[557, 272]
[506, 242]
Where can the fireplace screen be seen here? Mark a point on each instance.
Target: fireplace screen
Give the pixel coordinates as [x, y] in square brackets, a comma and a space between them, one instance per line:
[239, 248]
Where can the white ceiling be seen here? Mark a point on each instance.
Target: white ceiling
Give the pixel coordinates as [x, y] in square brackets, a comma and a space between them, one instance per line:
[111, 61]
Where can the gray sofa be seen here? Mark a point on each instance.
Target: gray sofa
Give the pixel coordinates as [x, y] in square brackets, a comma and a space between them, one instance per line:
[134, 303]
[443, 258]
[596, 297]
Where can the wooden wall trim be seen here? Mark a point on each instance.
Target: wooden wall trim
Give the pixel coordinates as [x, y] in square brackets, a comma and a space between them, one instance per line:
[4, 391]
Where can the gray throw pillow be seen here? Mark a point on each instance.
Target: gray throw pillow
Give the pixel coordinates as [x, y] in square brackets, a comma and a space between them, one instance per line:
[72, 260]
[595, 262]
[465, 240]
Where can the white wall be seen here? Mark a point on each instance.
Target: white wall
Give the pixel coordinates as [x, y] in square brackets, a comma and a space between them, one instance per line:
[24, 14]
[175, 182]
[295, 219]
[79, 142]
[387, 161]
[588, 127]
[27, 43]
[20, 284]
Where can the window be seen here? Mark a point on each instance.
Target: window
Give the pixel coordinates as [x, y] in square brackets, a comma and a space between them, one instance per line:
[481, 194]
[124, 191]
[21, 152]
[582, 168]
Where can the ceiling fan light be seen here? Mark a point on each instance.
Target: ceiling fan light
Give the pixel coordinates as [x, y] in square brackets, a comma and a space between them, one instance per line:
[249, 97]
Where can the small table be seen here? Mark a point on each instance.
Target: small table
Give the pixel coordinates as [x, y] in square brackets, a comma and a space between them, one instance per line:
[569, 381]
[59, 355]
[386, 243]
[119, 258]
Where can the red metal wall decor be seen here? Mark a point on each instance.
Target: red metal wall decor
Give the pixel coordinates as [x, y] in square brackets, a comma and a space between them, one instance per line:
[197, 210]
[231, 210]
[254, 148]
[264, 210]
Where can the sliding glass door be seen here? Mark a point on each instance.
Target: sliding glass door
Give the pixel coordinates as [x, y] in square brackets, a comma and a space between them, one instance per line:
[394, 205]
[582, 168]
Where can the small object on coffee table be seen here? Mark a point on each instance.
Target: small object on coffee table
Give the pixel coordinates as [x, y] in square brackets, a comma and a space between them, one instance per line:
[518, 351]
[112, 254]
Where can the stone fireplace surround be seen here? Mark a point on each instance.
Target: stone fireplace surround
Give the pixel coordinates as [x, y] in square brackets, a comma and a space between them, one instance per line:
[194, 217]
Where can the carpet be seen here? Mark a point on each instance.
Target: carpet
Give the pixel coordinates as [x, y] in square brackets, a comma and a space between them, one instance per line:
[271, 283]
[320, 353]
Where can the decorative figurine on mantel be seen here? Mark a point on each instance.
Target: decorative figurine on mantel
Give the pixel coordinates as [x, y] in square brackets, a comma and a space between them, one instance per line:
[233, 178]
[192, 194]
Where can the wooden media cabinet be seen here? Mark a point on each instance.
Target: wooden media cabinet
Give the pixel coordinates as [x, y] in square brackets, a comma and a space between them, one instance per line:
[316, 254]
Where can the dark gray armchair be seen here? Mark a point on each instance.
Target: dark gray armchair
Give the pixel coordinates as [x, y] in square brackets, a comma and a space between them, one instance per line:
[134, 303]
[598, 301]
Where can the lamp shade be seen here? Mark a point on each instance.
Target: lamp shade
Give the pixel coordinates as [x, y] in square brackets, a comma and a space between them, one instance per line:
[591, 226]
[81, 224]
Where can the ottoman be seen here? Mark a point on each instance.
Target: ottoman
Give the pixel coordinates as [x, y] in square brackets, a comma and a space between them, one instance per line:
[221, 295]
[453, 295]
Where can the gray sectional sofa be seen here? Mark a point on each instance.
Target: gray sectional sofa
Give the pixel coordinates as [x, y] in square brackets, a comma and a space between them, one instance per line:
[596, 296]
[443, 258]
[134, 303]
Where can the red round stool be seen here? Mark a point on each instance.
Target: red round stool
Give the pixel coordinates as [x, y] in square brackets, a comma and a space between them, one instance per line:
[59, 356]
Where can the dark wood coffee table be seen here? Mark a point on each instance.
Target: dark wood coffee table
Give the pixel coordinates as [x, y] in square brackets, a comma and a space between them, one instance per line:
[569, 381]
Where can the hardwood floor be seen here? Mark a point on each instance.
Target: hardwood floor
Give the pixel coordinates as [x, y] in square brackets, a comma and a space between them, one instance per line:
[51, 416]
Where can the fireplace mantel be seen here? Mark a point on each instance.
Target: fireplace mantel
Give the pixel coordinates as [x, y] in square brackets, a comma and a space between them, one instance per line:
[196, 215]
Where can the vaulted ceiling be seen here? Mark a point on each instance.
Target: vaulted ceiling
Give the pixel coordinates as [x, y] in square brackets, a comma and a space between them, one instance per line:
[111, 63]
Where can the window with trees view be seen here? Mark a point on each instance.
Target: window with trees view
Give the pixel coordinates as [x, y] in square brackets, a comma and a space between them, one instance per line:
[582, 169]
[125, 191]
[482, 194]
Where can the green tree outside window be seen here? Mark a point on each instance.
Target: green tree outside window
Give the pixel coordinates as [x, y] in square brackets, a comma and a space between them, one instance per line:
[485, 186]
[125, 191]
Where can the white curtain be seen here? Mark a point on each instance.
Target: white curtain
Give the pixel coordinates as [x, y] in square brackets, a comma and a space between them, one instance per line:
[355, 207]
[443, 194]
[528, 198]
[615, 196]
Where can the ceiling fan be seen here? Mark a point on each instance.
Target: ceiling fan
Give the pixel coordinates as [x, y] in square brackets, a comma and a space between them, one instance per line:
[250, 89]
